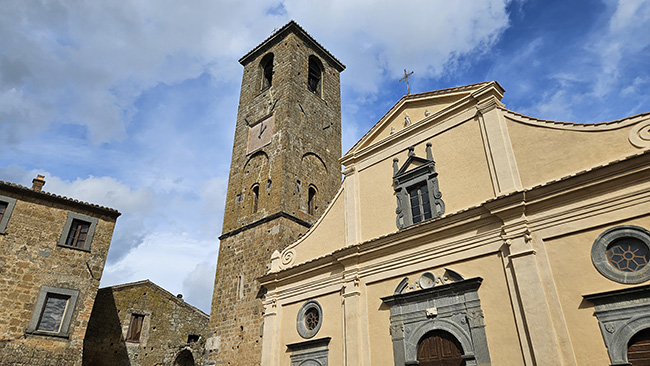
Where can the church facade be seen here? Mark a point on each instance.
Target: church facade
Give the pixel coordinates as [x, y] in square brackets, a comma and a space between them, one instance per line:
[465, 233]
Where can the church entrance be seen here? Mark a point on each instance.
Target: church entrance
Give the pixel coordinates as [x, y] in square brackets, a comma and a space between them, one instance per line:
[638, 350]
[439, 348]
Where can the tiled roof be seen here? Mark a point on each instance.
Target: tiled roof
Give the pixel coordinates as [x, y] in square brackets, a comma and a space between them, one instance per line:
[292, 25]
[65, 200]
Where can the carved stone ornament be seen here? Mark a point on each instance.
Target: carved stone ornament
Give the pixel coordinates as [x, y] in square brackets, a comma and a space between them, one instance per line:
[640, 134]
[397, 331]
[475, 318]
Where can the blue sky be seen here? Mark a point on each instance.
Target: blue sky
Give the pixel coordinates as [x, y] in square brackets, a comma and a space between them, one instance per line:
[132, 105]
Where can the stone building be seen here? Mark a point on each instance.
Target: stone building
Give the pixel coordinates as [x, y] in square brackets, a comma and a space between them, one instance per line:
[284, 172]
[142, 324]
[52, 254]
[465, 233]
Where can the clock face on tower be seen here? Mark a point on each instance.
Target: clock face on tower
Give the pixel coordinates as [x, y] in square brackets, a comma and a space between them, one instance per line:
[259, 134]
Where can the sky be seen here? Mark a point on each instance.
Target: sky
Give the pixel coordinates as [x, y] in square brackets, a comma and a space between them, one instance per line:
[132, 104]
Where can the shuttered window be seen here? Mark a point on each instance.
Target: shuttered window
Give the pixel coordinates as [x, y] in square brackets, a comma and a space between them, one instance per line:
[135, 329]
[78, 233]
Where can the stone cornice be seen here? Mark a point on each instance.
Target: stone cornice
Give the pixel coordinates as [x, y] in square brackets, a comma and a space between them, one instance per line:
[291, 27]
[549, 195]
[265, 220]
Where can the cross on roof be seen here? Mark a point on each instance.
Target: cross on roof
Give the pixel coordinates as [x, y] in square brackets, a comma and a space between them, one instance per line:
[406, 77]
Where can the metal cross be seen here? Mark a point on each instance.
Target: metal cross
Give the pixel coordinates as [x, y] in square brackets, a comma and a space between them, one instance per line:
[406, 77]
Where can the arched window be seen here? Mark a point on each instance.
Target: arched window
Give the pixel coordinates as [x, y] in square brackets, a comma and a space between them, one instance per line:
[256, 196]
[267, 71]
[315, 75]
[311, 200]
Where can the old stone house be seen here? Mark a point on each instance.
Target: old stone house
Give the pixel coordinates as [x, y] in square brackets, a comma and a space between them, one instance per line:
[52, 254]
[142, 324]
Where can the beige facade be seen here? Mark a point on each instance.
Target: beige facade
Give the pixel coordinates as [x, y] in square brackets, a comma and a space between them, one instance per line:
[52, 254]
[515, 261]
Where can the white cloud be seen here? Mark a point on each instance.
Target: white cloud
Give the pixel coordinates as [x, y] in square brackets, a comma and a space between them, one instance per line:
[175, 261]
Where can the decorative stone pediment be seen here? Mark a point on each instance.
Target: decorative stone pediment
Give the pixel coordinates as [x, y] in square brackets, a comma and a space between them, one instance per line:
[452, 306]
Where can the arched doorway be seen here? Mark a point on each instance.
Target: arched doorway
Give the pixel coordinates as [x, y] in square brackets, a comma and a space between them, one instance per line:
[439, 348]
[638, 350]
[184, 358]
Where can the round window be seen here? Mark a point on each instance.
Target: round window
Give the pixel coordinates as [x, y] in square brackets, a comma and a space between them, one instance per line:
[622, 254]
[310, 318]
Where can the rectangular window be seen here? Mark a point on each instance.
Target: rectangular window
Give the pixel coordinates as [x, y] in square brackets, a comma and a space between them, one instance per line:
[6, 207]
[78, 231]
[53, 312]
[3, 208]
[420, 205]
[135, 328]
[78, 234]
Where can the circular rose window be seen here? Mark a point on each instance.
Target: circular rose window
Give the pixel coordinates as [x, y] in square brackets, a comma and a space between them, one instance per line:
[310, 318]
[622, 254]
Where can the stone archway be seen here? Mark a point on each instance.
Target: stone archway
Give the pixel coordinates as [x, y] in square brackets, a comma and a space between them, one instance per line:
[184, 358]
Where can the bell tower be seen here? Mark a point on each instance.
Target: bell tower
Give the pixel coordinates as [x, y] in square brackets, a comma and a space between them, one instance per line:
[284, 172]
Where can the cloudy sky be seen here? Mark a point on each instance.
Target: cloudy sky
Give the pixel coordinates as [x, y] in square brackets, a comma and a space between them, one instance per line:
[132, 104]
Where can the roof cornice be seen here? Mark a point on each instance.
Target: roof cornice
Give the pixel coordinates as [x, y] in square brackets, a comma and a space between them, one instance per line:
[291, 27]
[24, 191]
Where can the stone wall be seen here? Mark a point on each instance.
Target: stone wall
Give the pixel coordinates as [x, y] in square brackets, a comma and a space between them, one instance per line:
[30, 258]
[172, 331]
[237, 309]
[302, 152]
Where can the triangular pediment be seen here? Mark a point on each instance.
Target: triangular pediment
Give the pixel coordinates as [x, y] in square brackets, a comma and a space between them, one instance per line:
[413, 162]
[413, 109]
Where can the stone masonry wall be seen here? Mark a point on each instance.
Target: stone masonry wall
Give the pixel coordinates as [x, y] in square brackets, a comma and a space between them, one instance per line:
[167, 324]
[303, 151]
[237, 306]
[30, 258]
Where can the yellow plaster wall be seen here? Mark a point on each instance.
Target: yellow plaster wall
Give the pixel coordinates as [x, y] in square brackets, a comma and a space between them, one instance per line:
[415, 110]
[328, 236]
[332, 327]
[575, 275]
[544, 154]
[500, 328]
[463, 178]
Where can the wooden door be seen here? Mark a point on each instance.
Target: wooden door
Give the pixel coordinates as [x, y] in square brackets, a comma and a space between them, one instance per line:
[440, 348]
[638, 350]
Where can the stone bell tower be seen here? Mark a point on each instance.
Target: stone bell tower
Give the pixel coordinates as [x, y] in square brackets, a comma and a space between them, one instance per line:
[283, 174]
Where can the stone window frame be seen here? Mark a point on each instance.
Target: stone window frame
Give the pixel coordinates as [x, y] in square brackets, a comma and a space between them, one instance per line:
[11, 203]
[144, 330]
[39, 307]
[452, 307]
[599, 253]
[68, 225]
[303, 331]
[621, 314]
[403, 179]
[315, 350]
